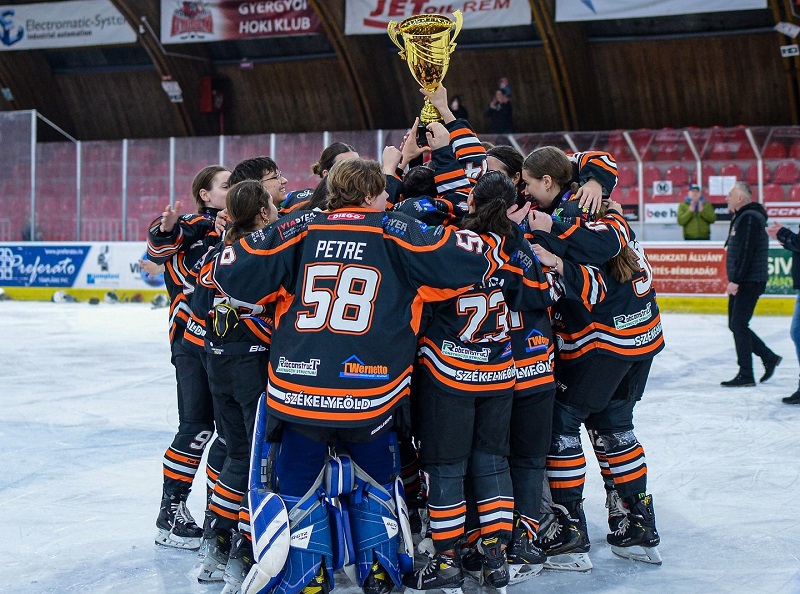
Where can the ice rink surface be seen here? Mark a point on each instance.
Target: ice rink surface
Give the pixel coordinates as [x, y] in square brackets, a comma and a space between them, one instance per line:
[88, 408]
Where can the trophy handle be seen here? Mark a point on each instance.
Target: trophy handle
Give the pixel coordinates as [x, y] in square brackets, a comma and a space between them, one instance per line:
[392, 30]
[459, 22]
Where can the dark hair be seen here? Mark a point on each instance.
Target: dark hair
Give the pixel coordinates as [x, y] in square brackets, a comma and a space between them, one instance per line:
[552, 161]
[319, 197]
[352, 180]
[253, 168]
[328, 157]
[244, 203]
[493, 194]
[511, 160]
[202, 181]
[419, 181]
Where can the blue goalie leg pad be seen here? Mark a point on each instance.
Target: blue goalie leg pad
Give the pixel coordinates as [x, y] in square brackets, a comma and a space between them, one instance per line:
[310, 544]
[375, 529]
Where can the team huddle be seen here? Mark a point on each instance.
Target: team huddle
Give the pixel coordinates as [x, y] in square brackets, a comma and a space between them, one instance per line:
[398, 363]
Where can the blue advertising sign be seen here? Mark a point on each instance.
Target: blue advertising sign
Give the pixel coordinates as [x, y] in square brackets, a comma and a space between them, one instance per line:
[41, 266]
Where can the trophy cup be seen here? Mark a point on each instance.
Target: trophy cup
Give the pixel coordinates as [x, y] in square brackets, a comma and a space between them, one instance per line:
[426, 48]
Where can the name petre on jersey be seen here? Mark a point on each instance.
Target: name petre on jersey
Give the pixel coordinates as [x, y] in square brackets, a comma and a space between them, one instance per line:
[179, 250]
[349, 287]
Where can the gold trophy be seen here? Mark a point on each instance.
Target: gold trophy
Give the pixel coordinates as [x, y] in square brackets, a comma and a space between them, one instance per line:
[428, 45]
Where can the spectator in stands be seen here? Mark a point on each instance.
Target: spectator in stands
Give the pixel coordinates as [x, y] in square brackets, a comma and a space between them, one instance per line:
[504, 86]
[747, 246]
[791, 241]
[38, 233]
[696, 215]
[458, 109]
[500, 114]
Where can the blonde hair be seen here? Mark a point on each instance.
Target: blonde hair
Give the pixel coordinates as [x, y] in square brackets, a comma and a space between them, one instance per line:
[352, 180]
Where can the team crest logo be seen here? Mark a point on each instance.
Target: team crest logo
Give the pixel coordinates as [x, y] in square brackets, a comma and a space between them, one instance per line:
[355, 368]
[536, 342]
[192, 19]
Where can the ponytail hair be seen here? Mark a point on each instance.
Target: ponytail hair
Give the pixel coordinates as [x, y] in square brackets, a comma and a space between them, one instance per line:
[493, 195]
[625, 264]
[328, 157]
[244, 203]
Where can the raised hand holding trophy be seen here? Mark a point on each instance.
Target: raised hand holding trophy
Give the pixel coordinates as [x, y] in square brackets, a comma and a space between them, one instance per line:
[426, 48]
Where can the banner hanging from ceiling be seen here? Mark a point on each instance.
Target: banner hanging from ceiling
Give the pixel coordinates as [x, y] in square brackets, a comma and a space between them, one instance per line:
[62, 24]
[373, 16]
[603, 10]
[225, 20]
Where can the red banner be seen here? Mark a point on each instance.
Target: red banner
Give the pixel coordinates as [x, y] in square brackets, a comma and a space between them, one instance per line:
[198, 22]
[687, 270]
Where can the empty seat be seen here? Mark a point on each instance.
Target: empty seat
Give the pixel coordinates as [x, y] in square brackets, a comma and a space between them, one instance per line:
[751, 175]
[794, 194]
[720, 151]
[744, 151]
[668, 152]
[794, 151]
[678, 175]
[786, 172]
[773, 193]
[708, 171]
[731, 169]
[651, 174]
[774, 150]
[626, 177]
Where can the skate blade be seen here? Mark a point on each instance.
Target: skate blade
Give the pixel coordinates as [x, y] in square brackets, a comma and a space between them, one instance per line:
[457, 590]
[167, 539]
[208, 575]
[523, 571]
[569, 562]
[639, 553]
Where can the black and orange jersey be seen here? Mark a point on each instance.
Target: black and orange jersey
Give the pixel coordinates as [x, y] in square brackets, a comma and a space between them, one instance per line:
[533, 350]
[178, 251]
[597, 314]
[466, 348]
[256, 332]
[349, 288]
[585, 241]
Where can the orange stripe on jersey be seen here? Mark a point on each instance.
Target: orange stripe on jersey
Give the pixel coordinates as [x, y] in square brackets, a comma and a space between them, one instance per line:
[282, 246]
[416, 312]
[440, 536]
[218, 488]
[365, 392]
[572, 462]
[566, 484]
[465, 387]
[464, 364]
[603, 346]
[221, 511]
[569, 231]
[298, 206]
[335, 415]
[631, 477]
[440, 177]
[537, 381]
[498, 504]
[189, 460]
[587, 284]
[629, 331]
[496, 527]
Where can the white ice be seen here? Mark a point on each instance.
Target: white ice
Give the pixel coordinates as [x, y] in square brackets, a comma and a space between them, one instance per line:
[88, 407]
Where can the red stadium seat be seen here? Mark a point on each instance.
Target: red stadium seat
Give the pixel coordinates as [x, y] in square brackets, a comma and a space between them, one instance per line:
[708, 170]
[794, 151]
[786, 173]
[651, 174]
[744, 151]
[774, 193]
[668, 152]
[794, 194]
[731, 169]
[626, 176]
[678, 175]
[751, 175]
[774, 150]
[720, 151]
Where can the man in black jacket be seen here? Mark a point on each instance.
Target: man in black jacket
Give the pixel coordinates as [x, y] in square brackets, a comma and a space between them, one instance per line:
[748, 247]
[791, 241]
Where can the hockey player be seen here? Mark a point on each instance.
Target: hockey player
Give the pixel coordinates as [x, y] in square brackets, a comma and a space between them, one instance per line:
[309, 199]
[178, 242]
[608, 330]
[237, 355]
[351, 280]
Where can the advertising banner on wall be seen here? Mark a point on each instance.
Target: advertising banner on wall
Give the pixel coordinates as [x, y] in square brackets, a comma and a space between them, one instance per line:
[601, 10]
[62, 24]
[680, 269]
[783, 211]
[373, 16]
[110, 266]
[199, 22]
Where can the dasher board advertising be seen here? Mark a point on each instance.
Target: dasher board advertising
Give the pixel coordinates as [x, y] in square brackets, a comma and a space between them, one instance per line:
[605, 10]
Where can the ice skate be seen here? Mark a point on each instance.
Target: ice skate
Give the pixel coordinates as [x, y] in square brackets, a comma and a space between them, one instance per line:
[319, 584]
[494, 571]
[564, 540]
[636, 536]
[176, 526]
[442, 572]
[214, 553]
[240, 561]
[525, 558]
[377, 581]
[616, 510]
